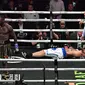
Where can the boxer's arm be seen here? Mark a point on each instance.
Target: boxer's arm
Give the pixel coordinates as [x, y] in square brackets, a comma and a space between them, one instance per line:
[12, 34]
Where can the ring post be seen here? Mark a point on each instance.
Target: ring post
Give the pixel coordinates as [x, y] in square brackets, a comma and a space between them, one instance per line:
[56, 71]
[51, 25]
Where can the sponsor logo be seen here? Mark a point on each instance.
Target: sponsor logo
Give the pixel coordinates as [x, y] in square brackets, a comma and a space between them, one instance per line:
[9, 76]
[79, 75]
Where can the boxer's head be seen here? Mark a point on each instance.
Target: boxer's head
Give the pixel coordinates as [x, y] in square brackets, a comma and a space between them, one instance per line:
[1, 19]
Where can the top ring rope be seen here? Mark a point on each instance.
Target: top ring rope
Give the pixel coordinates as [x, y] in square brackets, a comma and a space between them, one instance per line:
[47, 30]
[44, 12]
[44, 20]
[73, 41]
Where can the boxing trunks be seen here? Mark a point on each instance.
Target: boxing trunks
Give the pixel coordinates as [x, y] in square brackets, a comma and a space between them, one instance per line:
[58, 53]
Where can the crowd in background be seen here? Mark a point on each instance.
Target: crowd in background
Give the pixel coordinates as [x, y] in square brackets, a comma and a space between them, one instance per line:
[40, 5]
[45, 5]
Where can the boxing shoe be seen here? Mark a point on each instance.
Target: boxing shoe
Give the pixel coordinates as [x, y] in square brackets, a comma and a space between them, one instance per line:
[23, 54]
[26, 55]
[16, 55]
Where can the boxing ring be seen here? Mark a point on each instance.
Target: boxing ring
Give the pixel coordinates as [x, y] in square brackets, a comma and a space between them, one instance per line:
[44, 71]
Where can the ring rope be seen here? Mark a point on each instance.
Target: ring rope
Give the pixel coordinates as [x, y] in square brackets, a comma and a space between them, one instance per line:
[79, 80]
[47, 41]
[33, 81]
[30, 40]
[40, 69]
[33, 20]
[50, 80]
[44, 12]
[44, 20]
[47, 30]
[45, 60]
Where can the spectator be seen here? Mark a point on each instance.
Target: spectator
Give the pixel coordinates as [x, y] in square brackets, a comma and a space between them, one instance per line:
[31, 15]
[71, 25]
[57, 5]
[63, 35]
[11, 7]
[55, 34]
[44, 36]
[40, 36]
[76, 36]
[30, 25]
[21, 34]
[70, 7]
[79, 35]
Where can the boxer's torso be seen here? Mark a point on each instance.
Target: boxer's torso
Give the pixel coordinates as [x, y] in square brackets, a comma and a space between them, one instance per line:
[4, 32]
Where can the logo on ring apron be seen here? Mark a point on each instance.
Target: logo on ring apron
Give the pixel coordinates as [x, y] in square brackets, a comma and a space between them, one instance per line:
[9, 76]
